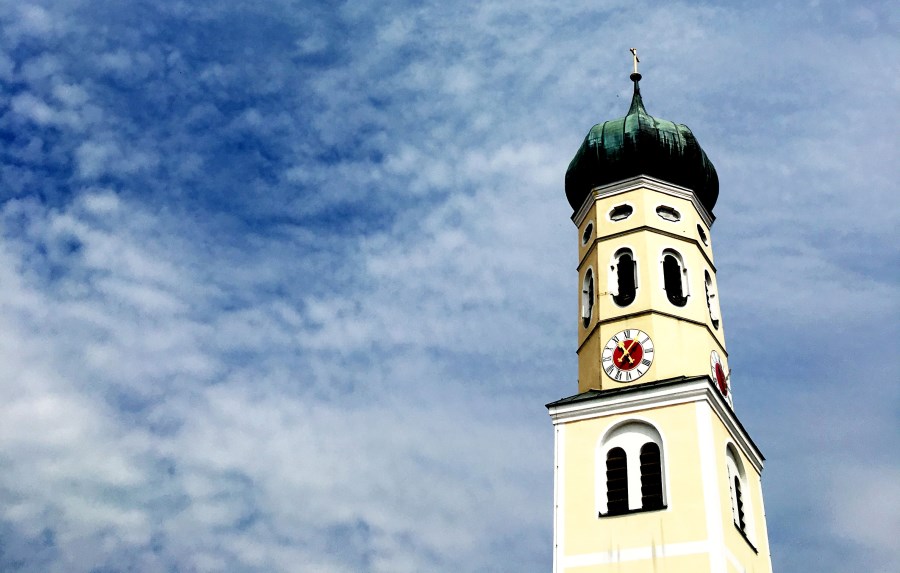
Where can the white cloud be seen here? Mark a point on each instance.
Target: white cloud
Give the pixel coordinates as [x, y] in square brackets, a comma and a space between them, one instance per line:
[284, 286]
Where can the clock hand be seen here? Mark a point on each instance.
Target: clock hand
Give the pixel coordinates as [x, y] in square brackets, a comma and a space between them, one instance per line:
[626, 353]
[630, 348]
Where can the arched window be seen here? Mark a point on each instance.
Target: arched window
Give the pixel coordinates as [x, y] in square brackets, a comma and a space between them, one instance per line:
[737, 484]
[630, 468]
[623, 277]
[651, 477]
[616, 481]
[739, 504]
[711, 302]
[674, 278]
[587, 298]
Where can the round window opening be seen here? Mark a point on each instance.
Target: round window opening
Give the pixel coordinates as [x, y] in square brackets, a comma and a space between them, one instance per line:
[588, 233]
[702, 234]
[668, 213]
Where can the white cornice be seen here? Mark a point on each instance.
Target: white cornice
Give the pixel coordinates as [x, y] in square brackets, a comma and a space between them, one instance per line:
[696, 390]
[640, 182]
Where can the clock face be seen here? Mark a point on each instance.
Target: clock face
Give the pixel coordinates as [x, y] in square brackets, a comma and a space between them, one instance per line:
[628, 355]
[718, 372]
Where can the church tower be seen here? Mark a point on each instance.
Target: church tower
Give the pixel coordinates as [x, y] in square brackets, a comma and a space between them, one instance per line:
[653, 470]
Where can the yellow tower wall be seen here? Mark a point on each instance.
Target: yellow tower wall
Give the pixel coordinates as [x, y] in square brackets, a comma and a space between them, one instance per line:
[688, 331]
[695, 532]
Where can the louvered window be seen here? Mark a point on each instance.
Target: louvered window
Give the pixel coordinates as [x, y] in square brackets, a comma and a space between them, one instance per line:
[587, 298]
[616, 481]
[711, 302]
[674, 279]
[739, 502]
[625, 278]
[651, 477]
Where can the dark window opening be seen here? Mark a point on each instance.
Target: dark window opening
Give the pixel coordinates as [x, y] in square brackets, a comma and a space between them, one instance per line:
[739, 502]
[621, 212]
[588, 232]
[625, 274]
[651, 477]
[616, 482]
[672, 276]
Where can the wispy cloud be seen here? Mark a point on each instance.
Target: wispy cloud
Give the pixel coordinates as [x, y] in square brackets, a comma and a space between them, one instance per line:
[286, 287]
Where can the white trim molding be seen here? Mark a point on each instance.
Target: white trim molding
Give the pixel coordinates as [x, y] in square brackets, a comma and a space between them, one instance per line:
[711, 487]
[559, 494]
[641, 182]
[636, 554]
[654, 395]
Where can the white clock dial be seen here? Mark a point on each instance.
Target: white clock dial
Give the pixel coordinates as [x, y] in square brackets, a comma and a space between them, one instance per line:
[628, 355]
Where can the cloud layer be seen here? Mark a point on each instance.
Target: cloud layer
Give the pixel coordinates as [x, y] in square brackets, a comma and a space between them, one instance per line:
[286, 287]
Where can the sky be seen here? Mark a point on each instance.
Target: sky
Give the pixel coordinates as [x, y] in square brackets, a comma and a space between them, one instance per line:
[287, 285]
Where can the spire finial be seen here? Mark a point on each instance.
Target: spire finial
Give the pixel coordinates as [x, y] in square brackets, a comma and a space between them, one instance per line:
[635, 76]
[637, 104]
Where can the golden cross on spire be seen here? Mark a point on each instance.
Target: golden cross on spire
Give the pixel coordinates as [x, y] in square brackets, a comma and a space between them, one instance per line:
[635, 57]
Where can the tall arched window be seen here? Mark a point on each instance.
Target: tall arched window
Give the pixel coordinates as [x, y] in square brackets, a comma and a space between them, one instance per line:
[651, 477]
[623, 277]
[737, 484]
[711, 302]
[674, 278]
[587, 298]
[630, 468]
[739, 504]
[616, 481]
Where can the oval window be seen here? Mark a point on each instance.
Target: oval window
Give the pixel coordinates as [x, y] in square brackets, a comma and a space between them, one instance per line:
[668, 213]
[588, 233]
[621, 212]
[702, 234]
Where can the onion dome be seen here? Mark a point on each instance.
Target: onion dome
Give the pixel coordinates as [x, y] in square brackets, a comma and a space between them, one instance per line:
[640, 144]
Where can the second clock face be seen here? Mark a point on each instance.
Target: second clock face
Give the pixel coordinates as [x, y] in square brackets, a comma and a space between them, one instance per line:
[628, 355]
[718, 373]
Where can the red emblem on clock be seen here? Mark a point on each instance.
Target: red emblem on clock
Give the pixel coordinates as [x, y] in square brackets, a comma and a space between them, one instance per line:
[628, 354]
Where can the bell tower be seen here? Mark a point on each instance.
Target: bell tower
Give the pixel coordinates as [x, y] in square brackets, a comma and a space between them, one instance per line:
[653, 469]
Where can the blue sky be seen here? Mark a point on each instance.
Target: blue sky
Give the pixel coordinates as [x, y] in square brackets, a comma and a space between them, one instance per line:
[286, 286]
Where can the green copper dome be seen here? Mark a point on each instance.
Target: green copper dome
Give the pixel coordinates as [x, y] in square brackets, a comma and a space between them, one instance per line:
[640, 144]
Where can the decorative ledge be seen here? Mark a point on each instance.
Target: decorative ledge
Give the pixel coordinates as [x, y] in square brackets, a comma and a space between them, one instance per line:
[747, 539]
[640, 510]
